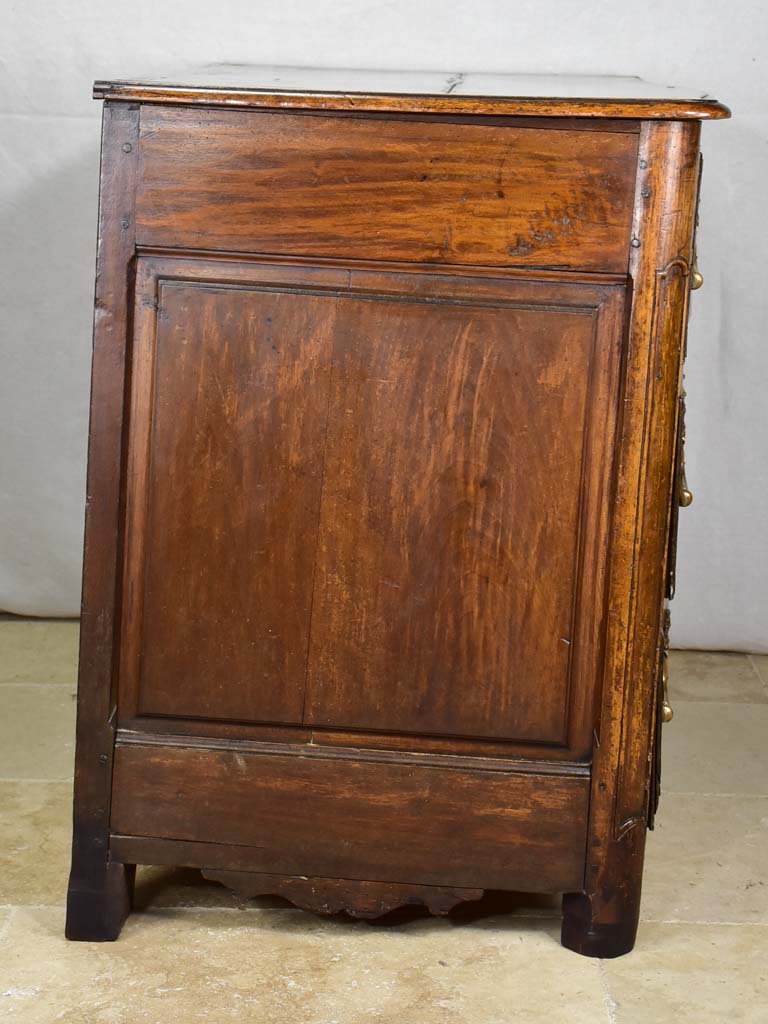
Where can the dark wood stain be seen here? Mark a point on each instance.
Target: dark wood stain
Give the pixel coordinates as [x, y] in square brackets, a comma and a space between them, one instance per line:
[226, 485]
[235, 385]
[333, 895]
[437, 529]
[99, 892]
[381, 467]
[348, 818]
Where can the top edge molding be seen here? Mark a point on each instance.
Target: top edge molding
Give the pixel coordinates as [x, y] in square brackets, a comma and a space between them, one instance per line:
[417, 92]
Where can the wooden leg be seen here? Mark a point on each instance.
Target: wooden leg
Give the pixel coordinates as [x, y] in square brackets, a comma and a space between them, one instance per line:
[589, 927]
[98, 905]
[603, 922]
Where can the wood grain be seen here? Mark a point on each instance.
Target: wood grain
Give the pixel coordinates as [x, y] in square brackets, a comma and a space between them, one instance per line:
[228, 427]
[381, 465]
[346, 818]
[441, 414]
[452, 428]
[284, 183]
[602, 920]
[99, 893]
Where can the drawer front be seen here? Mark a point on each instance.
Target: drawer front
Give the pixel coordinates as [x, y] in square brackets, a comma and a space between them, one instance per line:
[432, 192]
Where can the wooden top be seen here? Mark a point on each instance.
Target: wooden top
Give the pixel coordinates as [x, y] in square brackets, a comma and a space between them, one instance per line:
[242, 85]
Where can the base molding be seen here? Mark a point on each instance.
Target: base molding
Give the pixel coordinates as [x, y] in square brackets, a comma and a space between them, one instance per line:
[334, 895]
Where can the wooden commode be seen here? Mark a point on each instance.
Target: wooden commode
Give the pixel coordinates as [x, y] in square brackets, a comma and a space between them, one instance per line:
[384, 467]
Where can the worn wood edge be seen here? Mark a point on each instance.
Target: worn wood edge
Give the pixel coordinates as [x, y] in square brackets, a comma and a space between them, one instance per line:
[661, 248]
[652, 270]
[362, 899]
[511, 766]
[602, 920]
[96, 696]
[97, 914]
[642, 109]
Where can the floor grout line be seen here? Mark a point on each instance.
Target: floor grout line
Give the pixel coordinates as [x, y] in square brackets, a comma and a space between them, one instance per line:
[37, 685]
[208, 909]
[11, 908]
[137, 913]
[60, 778]
[610, 1004]
[758, 673]
[730, 796]
[186, 908]
[511, 916]
[714, 702]
[702, 924]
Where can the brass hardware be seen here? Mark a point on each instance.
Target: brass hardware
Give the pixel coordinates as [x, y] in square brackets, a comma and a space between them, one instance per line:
[684, 495]
[696, 279]
[667, 714]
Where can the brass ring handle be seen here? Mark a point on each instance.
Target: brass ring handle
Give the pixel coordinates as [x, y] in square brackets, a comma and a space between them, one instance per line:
[696, 279]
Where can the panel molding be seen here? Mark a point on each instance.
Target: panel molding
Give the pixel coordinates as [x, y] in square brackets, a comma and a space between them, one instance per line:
[596, 299]
[318, 751]
[453, 270]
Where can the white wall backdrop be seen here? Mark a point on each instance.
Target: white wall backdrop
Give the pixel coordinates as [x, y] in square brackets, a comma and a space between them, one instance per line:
[51, 50]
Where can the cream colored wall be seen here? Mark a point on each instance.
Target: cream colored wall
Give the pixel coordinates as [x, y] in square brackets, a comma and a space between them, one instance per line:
[49, 137]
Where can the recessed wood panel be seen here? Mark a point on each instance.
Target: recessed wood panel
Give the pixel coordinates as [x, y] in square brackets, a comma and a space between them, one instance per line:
[368, 501]
[448, 551]
[390, 190]
[229, 420]
[348, 817]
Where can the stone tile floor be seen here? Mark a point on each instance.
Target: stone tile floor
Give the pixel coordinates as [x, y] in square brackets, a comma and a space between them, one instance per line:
[193, 952]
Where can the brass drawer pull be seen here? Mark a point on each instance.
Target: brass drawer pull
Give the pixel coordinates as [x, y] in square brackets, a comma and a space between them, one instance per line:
[684, 495]
[667, 714]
